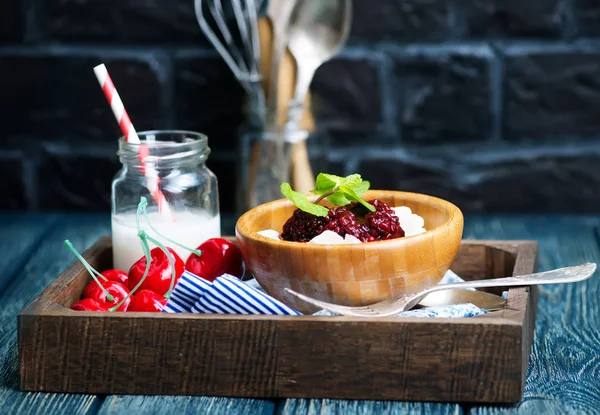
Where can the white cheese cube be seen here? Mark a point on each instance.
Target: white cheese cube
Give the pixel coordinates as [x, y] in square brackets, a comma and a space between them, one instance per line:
[327, 237]
[351, 239]
[269, 233]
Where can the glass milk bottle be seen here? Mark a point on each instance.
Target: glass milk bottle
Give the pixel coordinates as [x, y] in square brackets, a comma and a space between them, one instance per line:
[190, 189]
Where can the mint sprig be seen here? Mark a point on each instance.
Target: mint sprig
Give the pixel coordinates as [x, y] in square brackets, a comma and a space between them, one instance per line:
[337, 190]
[342, 190]
[302, 202]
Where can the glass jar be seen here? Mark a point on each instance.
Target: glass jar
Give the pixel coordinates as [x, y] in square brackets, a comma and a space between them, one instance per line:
[264, 164]
[178, 158]
[267, 167]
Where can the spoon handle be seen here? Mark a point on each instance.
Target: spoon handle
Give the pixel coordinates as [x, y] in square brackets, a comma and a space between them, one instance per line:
[557, 276]
[305, 71]
[279, 12]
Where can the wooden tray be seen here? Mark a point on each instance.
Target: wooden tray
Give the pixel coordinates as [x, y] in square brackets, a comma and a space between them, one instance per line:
[481, 359]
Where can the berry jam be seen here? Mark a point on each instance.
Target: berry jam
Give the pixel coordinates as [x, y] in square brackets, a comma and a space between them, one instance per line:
[303, 226]
[383, 223]
[343, 222]
[353, 219]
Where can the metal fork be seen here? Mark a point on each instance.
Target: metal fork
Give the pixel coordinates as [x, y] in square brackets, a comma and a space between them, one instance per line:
[395, 306]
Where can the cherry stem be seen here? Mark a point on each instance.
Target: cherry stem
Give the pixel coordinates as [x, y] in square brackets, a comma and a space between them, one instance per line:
[146, 250]
[193, 251]
[144, 238]
[171, 262]
[83, 261]
[90, 269]
[142, 209]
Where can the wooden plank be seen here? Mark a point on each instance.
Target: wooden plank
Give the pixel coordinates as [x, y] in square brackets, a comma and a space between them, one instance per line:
[130, 354]
[565, 362]
[332, 407]
[47, 261]
[51, 257]
[19, 236]
[161, 405]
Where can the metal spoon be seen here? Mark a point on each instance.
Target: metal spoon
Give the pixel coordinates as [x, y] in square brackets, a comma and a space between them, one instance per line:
[406, 302]
[317, 31]
[278, 12]
[454, 296]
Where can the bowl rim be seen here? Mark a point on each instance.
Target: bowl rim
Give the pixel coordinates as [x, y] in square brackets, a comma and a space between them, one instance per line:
[454, 215]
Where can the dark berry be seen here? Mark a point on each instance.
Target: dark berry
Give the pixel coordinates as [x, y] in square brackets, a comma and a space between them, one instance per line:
[374, 226]
[303, 226]
[383, 223]
[342, 221]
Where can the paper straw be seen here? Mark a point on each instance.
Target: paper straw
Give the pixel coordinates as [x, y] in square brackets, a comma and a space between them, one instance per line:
[118, 109]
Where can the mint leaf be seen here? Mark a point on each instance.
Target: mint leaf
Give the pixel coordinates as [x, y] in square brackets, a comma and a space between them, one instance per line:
[328, 181]
[338, 199]
[351, 195]
[333, 194]
[301, 201]
[339, 191]
[331, 182]
[335, 198]
[362, 187]
[351, 181]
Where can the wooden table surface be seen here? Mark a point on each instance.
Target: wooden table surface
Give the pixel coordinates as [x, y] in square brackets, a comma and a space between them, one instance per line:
[564, 371]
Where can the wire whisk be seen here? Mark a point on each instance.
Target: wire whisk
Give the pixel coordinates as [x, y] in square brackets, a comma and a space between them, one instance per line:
[242, 61]
[232, 28]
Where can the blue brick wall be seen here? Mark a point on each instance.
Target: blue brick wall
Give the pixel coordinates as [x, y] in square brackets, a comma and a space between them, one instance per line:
[492, 104]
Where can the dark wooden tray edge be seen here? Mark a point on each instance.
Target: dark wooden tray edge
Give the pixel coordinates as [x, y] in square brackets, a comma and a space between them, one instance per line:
[517, 322]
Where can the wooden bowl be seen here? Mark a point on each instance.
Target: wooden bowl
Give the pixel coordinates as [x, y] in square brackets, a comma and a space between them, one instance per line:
[356, 274]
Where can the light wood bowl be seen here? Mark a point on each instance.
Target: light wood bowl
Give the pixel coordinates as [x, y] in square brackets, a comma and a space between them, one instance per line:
[356, 274]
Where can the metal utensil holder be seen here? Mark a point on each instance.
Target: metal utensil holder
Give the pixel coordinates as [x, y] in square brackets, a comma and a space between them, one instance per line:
[277, 146]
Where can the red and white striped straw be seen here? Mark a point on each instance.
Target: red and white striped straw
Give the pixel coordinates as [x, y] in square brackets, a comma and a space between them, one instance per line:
[118, 109]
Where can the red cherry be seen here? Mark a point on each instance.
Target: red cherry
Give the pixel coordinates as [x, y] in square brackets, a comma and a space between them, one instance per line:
[159, 277]
[88, 304]
[116, 275]
[116, 289]
[147, 301]
[219, 256]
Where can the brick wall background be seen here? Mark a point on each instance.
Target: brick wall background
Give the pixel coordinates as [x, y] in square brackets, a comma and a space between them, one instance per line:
[492, 104]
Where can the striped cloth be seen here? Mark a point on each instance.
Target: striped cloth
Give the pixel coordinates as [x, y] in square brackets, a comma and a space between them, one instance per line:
[229, 295]
[188, 290]
[225, 295]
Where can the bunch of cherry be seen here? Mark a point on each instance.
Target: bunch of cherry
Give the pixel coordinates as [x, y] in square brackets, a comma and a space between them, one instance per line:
[218, 257]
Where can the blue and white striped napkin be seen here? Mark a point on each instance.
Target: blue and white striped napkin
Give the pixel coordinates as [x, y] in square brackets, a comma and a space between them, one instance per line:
[230, 295]
[186, 293]
[225, 295]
